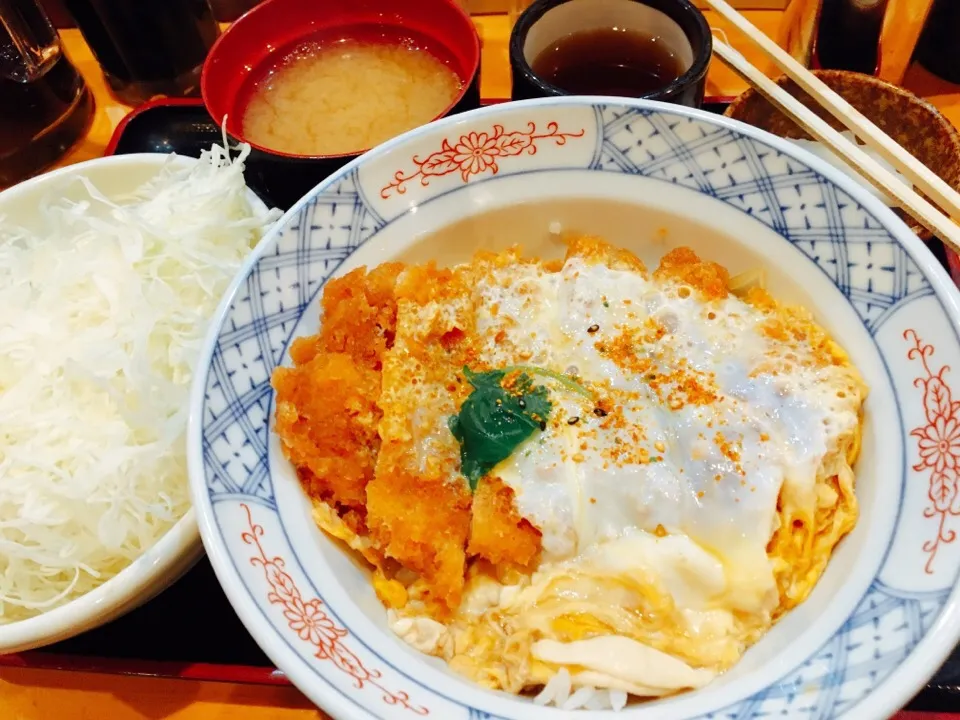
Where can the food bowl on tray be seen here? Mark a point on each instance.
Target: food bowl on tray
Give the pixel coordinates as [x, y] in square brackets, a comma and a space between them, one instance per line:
[648, 177]
[179, 546]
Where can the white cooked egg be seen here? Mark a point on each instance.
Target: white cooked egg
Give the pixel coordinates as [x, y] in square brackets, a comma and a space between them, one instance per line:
[715, 468]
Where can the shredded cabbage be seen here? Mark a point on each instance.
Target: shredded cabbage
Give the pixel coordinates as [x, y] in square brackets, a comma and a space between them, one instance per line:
[102, 315]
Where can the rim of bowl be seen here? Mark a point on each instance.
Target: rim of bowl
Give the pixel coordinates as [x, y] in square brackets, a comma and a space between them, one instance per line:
[935, 113]
[953, 135]
[697, 71]
[251, 16]
[915, 669]
[179, 547]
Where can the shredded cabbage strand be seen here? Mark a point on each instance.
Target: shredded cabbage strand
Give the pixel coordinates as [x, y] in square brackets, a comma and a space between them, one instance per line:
[103, 311]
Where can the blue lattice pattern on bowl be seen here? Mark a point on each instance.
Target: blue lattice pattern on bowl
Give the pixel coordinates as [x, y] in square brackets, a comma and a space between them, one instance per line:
[849, 240]
[322, 235]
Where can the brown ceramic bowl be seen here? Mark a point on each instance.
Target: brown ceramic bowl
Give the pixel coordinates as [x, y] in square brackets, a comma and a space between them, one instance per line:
[914, 123]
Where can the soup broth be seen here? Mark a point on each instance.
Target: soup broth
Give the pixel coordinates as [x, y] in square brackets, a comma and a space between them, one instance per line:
[344, 93]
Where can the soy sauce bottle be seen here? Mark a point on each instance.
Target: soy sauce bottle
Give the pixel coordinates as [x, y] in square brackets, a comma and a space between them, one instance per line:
[45, 107]
[938, 49]
[147, 47]
[848, 35]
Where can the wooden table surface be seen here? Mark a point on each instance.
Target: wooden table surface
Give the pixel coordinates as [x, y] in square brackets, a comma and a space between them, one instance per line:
[27, 694]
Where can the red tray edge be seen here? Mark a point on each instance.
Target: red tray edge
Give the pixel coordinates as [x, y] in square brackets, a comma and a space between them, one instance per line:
[242, 674]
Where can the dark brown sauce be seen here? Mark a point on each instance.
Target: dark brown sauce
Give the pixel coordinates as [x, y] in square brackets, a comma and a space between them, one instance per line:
[609, 61]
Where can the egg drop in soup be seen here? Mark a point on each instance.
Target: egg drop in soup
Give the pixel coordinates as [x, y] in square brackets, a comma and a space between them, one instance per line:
[346, 93]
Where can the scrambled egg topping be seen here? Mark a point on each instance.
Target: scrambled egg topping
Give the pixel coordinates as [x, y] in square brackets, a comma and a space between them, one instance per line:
[575, 465]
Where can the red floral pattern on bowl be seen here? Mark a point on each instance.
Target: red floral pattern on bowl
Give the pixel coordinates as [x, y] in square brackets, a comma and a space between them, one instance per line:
[310, 622]
[475, 153]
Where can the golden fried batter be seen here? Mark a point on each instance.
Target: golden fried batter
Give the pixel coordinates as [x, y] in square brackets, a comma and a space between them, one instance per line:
[420, 513]
[684, 265]
[595, 250]
[360, 314]
[327, 419]
[497, 532]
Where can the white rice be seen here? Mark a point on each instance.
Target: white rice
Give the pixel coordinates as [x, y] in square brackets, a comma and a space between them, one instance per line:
[558, 689]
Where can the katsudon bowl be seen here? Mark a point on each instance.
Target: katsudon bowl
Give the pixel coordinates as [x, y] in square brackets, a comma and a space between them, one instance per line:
[647, 177]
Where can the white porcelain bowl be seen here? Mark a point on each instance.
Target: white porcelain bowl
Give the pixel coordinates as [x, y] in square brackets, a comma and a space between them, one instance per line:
[180, 547]
[883, 617]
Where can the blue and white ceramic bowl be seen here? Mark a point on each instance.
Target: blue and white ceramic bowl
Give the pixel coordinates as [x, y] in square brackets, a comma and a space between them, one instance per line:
[883, 617]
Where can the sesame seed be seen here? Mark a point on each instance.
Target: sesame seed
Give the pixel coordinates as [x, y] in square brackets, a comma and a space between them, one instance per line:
[599, 412]
[574, 420]
[593, 328]
[660, 446]
[543, 424]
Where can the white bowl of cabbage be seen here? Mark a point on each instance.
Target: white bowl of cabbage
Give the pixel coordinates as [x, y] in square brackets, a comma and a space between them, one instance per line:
[109, 270]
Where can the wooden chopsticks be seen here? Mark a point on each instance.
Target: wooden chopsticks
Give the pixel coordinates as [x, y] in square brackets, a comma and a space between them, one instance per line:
[916, 172]
[921, 209]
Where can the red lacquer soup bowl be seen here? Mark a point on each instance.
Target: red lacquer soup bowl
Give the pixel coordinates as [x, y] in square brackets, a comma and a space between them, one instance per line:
[258, 40]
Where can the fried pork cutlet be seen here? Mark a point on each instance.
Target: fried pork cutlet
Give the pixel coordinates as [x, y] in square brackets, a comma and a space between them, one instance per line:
[363, 415]
[327, 411]
[327, 418]
[497, 532]
[360, 314]
[418, 505]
